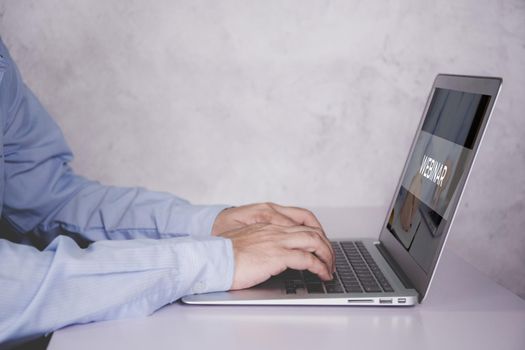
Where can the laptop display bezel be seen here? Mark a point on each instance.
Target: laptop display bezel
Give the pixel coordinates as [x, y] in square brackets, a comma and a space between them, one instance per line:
[420, 279]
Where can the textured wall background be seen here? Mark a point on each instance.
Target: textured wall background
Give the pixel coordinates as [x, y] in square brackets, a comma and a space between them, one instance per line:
[311, 103]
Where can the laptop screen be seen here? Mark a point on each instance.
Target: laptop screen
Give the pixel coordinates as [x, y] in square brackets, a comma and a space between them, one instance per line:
[439, 162]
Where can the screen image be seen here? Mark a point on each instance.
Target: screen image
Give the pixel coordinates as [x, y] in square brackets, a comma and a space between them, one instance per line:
[439, 162]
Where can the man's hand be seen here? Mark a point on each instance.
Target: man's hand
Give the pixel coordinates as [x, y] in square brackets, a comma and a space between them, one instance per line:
[265, 250]
[268, 213]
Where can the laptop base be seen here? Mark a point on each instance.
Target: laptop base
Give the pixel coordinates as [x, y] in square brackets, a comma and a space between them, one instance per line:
[274, 291]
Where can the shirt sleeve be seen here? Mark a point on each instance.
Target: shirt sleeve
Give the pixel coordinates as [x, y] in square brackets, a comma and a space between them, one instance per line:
[44, 197]
[42, 291]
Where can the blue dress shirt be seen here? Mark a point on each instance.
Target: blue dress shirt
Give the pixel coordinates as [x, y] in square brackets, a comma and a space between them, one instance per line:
[104, 252]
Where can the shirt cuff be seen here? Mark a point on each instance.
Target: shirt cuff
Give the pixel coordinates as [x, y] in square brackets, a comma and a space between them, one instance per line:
[207, 267]
[195, 220]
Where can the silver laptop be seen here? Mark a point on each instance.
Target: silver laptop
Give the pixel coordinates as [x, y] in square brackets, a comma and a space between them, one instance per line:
[397, 269]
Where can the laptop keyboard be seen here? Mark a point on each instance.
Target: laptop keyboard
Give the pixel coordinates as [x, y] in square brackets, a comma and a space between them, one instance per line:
[356, 272]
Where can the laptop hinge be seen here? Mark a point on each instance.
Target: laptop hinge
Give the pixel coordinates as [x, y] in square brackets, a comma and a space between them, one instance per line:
[395, 267]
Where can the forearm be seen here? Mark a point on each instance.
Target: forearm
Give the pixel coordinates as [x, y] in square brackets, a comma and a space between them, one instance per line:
[44, 291]
[100, 212]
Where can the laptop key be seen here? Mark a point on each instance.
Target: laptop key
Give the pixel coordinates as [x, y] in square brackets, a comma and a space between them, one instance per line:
[314, 288]
[350, 281]
[332, 282]
[353, 288]
[290, 287]
[337, 288]
[372, 289]
[348, 277]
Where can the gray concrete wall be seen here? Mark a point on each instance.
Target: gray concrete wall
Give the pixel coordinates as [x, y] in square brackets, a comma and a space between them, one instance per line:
[310, 103]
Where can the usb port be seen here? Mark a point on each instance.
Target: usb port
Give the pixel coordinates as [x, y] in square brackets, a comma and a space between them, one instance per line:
[385, 301]
[401, 300]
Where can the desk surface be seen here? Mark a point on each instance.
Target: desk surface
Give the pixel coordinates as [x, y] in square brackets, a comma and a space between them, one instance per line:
[464, 310]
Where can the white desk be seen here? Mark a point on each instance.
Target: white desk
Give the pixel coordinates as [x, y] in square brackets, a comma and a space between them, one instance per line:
[464, 310]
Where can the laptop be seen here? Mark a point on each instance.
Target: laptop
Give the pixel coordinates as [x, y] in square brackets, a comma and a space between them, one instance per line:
[397, 268]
